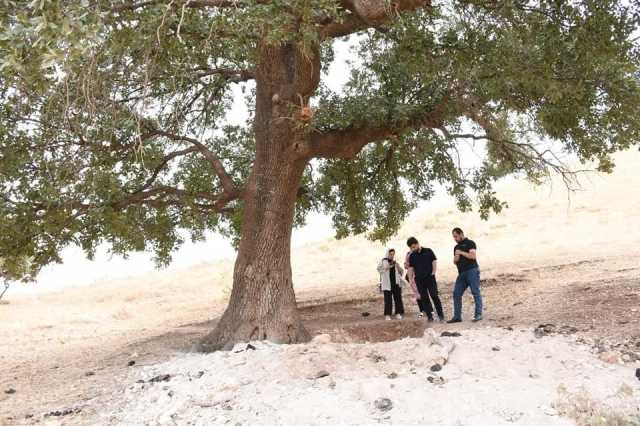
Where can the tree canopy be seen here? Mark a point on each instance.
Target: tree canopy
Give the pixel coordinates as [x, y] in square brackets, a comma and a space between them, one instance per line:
[112, 113]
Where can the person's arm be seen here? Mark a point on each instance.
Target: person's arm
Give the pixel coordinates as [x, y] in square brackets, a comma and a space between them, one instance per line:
[471, 254]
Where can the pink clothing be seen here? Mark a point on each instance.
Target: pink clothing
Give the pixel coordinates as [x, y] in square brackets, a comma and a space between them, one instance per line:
[412, 279]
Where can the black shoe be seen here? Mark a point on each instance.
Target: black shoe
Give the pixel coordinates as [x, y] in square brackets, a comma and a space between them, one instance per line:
[454, 320]
[476, 319]
[430, 318]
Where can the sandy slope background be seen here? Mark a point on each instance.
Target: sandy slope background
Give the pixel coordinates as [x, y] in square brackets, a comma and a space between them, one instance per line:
[573, 261]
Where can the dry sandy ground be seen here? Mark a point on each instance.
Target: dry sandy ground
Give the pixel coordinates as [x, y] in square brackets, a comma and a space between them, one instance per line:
[545, 260]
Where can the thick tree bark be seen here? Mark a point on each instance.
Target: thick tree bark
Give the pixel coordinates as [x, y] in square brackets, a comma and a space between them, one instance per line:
[262, 304]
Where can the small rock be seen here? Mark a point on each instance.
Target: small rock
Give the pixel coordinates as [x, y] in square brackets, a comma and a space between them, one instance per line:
[250, 347]
[131, 363]
[392, 375]
[89, 373]
[320, 374]
[199, 374]
[610, 357]
[140, 381]
[517, 303]
[60, 413]
[160, 378]
[322, 339]
[10, 391]
[170, 393]
[436, 380]
[495, 348]
[436, 367]
[383, 404]
[450, 334]
[376, 357]
[365, 314]
[533, 375]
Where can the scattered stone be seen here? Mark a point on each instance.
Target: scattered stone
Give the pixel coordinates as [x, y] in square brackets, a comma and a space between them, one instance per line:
[436, 367]
[365, 314]
[376, 357]
[392, 375]
[625, 390]
[495, 348]
[89, 373]
[322, 338]
[131, 363]
[544, 330]
[610, 357]
[28, 416]
[60, 413]
[383, 404]
[533, 375]
[436, 380]
[160, 378]
[199, 374]
[170, 393]
[140, 381]
[250, 347]
[450, 334]
[10, 391]
[320, 374]
[517, 303]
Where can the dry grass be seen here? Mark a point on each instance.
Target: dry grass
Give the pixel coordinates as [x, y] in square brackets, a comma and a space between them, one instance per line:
[586, 411]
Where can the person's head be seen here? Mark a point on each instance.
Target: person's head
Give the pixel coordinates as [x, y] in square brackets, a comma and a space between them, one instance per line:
[458, 235]
[413, 244]
[391, 254]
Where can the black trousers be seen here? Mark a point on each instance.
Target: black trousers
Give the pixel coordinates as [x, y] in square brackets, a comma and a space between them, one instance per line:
[394, 295]
[428, 287]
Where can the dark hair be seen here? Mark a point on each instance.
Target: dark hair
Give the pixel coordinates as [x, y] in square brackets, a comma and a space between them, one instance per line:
[392, 250]
[411, 241]
[457, 231]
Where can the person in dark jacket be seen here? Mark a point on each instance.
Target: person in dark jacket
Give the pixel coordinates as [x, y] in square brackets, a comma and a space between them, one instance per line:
[465, 259]
[423, 265]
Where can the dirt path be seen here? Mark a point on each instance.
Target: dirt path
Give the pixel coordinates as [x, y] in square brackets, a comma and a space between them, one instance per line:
[599, 299]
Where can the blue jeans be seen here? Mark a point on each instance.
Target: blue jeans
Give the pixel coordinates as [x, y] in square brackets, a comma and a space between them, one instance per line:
[471, 279]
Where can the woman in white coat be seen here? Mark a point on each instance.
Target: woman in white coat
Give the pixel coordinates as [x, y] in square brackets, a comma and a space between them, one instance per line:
[391, 283]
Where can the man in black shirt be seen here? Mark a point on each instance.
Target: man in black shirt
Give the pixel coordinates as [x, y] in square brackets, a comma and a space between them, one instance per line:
[464, 257]
[423, 265]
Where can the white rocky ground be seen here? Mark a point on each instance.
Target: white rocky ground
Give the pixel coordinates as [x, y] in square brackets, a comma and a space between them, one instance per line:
[489, 377]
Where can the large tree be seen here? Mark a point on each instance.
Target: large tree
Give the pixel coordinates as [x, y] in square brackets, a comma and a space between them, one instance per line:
[113, 122]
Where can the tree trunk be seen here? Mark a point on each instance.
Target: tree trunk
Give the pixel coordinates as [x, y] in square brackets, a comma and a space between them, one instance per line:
[262, 304]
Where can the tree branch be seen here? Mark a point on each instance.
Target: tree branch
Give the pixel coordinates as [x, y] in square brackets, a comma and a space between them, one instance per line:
[229, 74]
[225, 179]
[347, 143]
[363, 14]
[191, 4]
[163, 163]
